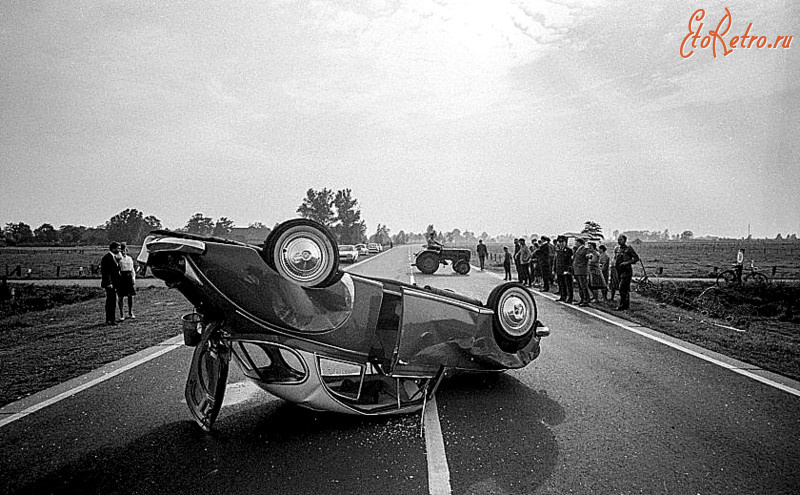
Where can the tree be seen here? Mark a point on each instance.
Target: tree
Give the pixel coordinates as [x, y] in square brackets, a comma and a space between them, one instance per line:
[222, 227]
[95, 236]
[400, 238]
[152, 223]
[349, 227]
[46, 234]
[593, 229]
[130, 226]
[17, 233]
[71, 235]
[257, 225]
[318, 206]
[199, 225]
[381, 235]
[687, 235]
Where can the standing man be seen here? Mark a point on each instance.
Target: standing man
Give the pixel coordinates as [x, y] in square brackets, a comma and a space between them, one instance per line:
[507, 263]
[542, 254]
[552, 249]
[516, 259]
[481, 252]
[580, 268]
[624, 260]
[524, 262]
[604, 263]
[109, 273]
[563, 264]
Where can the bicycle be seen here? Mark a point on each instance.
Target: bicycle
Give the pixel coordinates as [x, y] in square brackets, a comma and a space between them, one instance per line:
[754, 277]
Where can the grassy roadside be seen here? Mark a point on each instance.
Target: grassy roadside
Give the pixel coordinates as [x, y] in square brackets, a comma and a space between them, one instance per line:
[40, 349]
[766, 342]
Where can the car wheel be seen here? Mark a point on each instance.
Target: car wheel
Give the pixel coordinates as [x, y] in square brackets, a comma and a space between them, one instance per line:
[461, 267]
[304, 252]
[514, 320]
[428, 262]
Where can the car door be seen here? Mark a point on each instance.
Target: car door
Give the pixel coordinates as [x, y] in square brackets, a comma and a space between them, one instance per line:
[208, 375]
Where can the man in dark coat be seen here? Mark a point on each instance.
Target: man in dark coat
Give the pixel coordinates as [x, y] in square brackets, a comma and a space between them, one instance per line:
[481, 252]
[542, 255]
[563, 265]
[624, 260]
[109, 273]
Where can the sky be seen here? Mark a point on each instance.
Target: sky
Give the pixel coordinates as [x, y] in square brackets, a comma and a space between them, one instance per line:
[495, 116]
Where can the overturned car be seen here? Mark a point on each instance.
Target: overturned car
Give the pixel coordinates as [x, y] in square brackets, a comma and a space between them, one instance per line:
[309, 333]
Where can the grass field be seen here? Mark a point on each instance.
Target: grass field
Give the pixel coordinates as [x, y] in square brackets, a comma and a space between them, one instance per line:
[54, 262]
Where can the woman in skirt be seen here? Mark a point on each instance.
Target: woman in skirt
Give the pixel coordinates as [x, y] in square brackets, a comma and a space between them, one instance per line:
[126, 286]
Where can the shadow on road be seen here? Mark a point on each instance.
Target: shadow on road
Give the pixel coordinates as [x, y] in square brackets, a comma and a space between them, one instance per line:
[271, 448]
[497, 433]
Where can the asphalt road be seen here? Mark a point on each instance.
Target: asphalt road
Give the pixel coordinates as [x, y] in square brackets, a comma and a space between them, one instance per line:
[603, 410]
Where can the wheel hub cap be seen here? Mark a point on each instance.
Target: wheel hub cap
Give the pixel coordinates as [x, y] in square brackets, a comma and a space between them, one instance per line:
[514, 314]
[302, 258]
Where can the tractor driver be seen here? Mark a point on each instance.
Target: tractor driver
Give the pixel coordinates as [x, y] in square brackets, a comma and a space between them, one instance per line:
[433, 243]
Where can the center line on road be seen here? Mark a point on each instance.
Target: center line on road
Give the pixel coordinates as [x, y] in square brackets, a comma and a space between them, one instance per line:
[438, 470]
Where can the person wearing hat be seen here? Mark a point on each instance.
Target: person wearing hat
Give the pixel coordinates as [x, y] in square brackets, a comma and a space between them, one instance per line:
[542, 255]
[109, 277]
[563, 266]
[482, 252]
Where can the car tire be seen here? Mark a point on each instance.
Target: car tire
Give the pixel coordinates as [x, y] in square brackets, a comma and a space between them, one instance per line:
[461, 267]
[428, 262]
[514, 319]
[304, 252]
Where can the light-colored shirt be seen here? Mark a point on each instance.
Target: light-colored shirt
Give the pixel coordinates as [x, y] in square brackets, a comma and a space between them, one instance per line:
[126, 264]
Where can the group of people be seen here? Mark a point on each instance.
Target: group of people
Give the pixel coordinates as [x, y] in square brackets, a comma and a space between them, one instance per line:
[118, 278]
[587, 265]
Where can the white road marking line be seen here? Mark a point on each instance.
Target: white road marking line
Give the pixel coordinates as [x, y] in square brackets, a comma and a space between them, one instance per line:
[438, 471]
[158, 351]
[736, 369]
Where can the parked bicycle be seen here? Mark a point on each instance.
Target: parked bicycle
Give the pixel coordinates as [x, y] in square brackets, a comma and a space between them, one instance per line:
[753, 277]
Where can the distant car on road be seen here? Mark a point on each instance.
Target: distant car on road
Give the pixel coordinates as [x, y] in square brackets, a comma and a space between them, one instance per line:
[374, 248]
[362, 249]
[348, 253]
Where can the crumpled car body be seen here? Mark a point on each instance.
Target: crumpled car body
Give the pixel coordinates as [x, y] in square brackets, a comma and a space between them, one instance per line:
[329, 340]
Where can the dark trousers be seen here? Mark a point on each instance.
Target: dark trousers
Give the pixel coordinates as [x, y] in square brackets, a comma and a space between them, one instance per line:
[605, 279]
[625, 277]
[111, 304]
[481, 259]
[583, 288]
[524, 274]
[565, 287]
[544, 271]
[507, 268]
